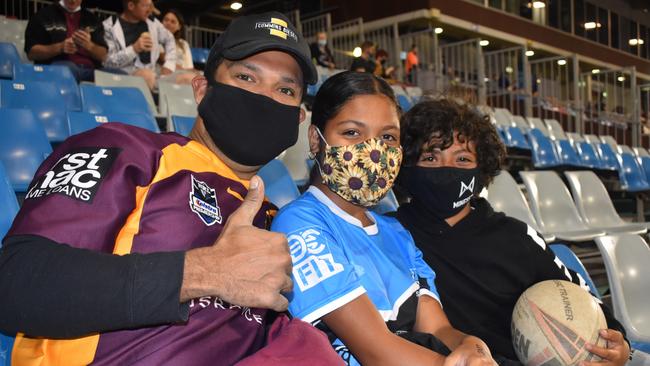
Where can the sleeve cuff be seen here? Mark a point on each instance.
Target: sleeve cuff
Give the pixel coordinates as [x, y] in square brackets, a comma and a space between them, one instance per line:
[170, 64]
[333, 305]
[156, 289]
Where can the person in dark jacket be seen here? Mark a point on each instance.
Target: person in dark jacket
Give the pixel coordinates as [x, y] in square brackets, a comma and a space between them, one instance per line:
[64, 33]
[484, 259]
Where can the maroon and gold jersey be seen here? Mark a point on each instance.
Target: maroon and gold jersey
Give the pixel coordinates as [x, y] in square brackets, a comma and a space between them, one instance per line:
[120, 189]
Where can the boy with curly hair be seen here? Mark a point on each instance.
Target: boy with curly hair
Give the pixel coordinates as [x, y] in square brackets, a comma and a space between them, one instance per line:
[484, 260]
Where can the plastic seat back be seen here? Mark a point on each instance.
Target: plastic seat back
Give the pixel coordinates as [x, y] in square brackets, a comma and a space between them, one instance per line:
[61, 76]
[551, 202]
[199, 55]
[609, 140]
[79, 122]
[587, 154]
[592, 200]
[8, 202]
[572, 262]
[404, 102]
[555, 129]
[43, 99]
[544, 154]
[514, 137]
[387, 204]
[295, 157]
[176, 99]
[504, 195]
[103, 100]
[503, 117]
[114, 80]
[567, 154]
[279, 187]
[8, 58]
[6, 347]
[540, 125]
[23, 146]
[626, 259]
[608, 158]
[522, 123]
[630, 173]
[183, 125]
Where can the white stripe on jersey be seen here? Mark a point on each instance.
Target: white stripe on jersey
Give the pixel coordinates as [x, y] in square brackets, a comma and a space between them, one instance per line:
[535, 236]
[328, 308]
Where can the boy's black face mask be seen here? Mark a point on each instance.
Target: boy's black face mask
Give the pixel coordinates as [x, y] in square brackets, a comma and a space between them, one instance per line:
[444, 191]
[251, 129]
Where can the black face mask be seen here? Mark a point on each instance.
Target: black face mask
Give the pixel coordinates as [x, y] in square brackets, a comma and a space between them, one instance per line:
[444, 191]
[251, 129]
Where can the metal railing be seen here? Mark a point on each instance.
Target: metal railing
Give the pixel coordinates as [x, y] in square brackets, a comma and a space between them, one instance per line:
[311, 26]
[201, 37]
[507, 79]
[555, 91]
[462, 71]
[24, 9]
[344, 38]
[610, 104]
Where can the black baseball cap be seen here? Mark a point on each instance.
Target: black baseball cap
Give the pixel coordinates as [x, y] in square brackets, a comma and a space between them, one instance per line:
[251, 34]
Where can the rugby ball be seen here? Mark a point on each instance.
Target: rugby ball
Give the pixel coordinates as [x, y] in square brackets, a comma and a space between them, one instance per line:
[552, 321]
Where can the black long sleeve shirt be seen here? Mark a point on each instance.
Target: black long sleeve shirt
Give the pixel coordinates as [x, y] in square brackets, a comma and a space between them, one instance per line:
[483, 264]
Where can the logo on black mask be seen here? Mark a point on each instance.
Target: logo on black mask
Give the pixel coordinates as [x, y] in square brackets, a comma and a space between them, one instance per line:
[466, 187]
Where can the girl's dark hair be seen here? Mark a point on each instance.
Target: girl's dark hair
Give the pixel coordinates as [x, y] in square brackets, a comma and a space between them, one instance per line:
[338, 90]
[180, 33]
[441, 119]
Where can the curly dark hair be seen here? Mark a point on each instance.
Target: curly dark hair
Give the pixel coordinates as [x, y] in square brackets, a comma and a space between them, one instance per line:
[441, 119]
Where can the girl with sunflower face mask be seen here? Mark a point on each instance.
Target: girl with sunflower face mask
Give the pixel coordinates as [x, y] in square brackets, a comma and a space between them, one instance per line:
[357, 275]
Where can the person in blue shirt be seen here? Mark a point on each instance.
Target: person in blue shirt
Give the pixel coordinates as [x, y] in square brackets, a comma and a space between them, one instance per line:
[357, 275]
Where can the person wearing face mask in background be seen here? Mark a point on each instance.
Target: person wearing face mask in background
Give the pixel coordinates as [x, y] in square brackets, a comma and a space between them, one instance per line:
[357, 275]
[483, 259]
[321, 53]
[150, 248]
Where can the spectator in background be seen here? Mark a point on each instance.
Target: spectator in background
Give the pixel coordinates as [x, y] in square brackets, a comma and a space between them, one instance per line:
[65, 34]
[321, 53]
[411, 64]
[175, 24]
[135, 42]
[365, 62]
[382, 69]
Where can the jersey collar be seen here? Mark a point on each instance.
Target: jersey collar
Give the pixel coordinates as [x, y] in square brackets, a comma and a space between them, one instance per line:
[322, 198]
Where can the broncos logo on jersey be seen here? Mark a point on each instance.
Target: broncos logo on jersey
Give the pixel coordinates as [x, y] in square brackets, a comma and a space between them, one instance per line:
[203, 202]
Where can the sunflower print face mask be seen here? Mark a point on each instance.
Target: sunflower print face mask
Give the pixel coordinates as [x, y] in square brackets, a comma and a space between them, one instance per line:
[362, 173]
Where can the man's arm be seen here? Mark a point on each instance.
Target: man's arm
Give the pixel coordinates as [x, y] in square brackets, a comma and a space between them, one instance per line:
[42, 52]
[54, 290]
[116, 57]
[169, 45]
[84, 40]
[57, 291]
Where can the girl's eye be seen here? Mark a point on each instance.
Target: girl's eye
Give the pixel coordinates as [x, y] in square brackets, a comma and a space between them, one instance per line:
[428, 158]
[465, 159]
[351, 133]
[244, 77]
[389, 137]
[288, 91]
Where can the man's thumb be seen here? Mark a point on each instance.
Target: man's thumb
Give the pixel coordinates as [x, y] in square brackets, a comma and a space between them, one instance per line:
[245, 214]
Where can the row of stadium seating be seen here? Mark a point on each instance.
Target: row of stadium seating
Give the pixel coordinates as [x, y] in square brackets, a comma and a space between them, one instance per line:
[551, 147]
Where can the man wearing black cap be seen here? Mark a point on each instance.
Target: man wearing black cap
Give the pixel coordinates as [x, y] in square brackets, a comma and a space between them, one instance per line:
[140, 248]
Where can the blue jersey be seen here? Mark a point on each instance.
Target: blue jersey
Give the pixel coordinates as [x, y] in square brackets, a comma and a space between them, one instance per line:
[336, 260]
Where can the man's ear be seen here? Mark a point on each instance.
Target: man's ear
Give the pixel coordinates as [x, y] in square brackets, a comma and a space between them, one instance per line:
[199, 86]
[303, 115]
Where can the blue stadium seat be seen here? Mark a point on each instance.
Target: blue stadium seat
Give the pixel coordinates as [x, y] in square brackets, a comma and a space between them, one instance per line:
[588, 156]
[543, 151]
[404, 102]
[6, 346]
[61, 76]
[513, 137]
[608, 157]
[567, 154]
[572, 262]
[183, 125]
[43, 99]
[103, 100]
[8, 58]
[645, 164]
[79, 122]
[199, 55]
[23, 146]
[279, 187]
[630, 173]
[8, 204]
[387, 204]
